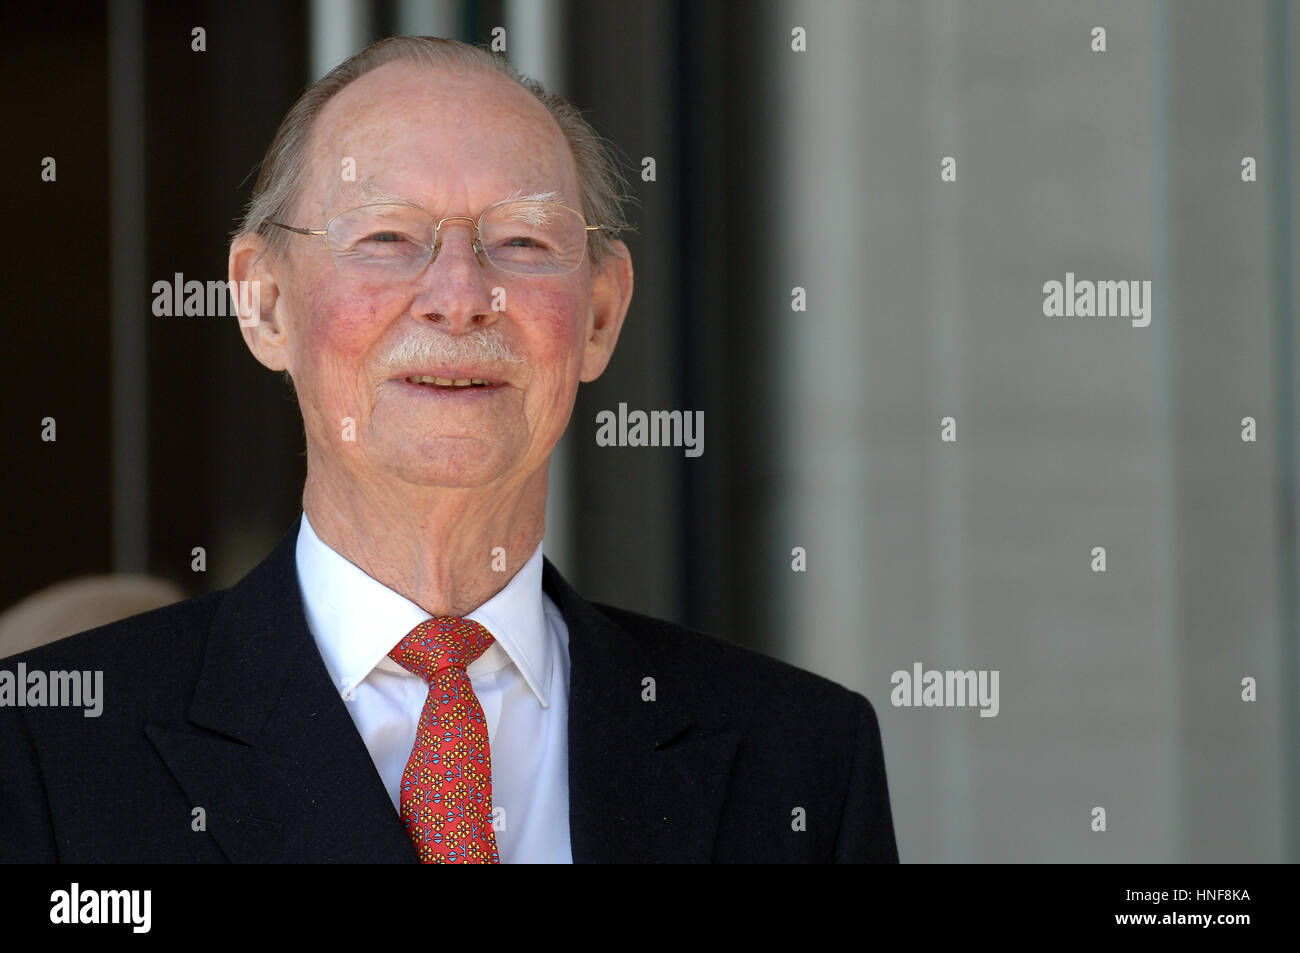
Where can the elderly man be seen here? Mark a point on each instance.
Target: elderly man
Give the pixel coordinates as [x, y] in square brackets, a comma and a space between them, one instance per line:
[406, 677]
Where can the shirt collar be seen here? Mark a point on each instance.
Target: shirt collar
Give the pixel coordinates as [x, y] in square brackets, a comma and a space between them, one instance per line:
[356, 620]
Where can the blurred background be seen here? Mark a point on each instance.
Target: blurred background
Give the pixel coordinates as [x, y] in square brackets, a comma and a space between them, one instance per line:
[778, 169]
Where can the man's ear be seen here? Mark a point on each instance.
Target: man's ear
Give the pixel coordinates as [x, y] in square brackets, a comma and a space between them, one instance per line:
[611, 293]
[255, 271]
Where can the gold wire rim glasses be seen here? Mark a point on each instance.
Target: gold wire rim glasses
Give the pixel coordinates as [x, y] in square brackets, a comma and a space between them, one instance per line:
[477, 245]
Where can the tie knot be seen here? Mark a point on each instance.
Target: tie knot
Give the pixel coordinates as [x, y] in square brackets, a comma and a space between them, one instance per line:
[441, 643]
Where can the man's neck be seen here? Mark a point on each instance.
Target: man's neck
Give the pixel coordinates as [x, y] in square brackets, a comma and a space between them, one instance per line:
[447, 550]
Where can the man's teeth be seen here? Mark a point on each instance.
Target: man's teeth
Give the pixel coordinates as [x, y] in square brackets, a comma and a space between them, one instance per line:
[449, 382]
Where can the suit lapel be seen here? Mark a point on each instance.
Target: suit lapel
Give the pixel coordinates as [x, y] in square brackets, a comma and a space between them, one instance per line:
[270, 752]
[646, 784]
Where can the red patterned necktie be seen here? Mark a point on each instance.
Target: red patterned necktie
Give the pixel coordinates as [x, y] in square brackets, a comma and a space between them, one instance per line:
[447, 784]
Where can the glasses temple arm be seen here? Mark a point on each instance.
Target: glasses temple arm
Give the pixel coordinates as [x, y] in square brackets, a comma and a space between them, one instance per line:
[300, 231]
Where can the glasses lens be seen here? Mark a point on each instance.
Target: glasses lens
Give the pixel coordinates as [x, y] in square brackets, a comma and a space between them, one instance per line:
[381, 240]
[534, 238]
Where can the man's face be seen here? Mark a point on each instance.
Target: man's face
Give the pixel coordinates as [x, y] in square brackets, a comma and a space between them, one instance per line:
[452, 144]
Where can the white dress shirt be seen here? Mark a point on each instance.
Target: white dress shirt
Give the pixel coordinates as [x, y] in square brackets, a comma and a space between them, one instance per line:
[522, 682]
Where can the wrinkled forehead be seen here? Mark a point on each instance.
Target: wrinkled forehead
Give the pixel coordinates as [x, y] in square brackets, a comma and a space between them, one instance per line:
[452, 141]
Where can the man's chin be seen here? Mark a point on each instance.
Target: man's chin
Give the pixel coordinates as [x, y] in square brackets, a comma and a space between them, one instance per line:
[465, 467]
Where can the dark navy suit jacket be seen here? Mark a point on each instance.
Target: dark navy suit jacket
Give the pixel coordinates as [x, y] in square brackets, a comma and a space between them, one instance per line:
[222, 702]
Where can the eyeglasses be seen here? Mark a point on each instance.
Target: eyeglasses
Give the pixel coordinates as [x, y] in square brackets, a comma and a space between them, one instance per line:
[395, 242]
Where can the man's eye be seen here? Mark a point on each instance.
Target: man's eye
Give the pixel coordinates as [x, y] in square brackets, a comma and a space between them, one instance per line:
[386, 237]
[522, 242]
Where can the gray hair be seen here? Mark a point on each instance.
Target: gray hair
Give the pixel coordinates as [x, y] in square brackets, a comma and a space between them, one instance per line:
[283, 167]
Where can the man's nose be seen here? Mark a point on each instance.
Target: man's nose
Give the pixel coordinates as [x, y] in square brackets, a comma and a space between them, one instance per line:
[454, 290]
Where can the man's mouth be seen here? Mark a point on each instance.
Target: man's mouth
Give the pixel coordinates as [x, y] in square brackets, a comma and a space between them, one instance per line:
[449, 383]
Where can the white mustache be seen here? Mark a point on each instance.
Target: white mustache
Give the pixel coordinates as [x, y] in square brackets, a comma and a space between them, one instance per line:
[488, 346]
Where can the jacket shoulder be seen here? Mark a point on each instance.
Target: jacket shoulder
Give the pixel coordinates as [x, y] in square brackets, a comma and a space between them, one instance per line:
[803, 741]
[742, 679]
[157, 638]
